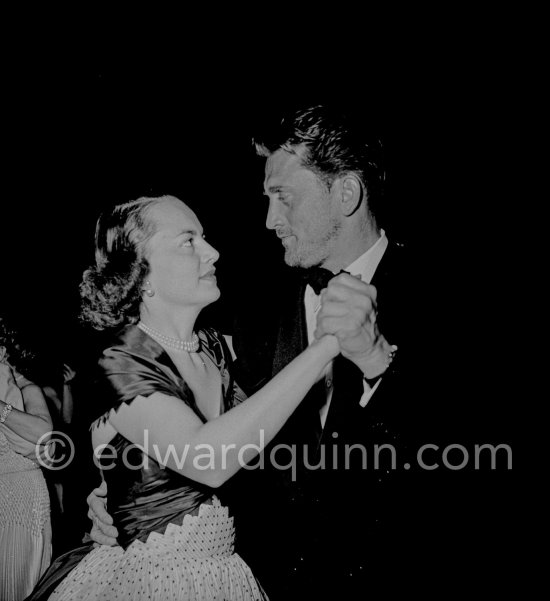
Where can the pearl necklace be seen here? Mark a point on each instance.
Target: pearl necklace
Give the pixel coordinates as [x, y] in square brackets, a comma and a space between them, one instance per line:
[191, 346]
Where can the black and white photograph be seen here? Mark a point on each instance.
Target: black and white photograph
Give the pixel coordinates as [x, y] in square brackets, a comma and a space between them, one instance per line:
[257, 327]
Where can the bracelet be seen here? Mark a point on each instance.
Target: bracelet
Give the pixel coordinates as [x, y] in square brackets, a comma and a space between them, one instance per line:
[5, 412]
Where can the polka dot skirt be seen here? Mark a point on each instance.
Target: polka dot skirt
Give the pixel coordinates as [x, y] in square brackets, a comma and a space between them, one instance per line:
[193, 561]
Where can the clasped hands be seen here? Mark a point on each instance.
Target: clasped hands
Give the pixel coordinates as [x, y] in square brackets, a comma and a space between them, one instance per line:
[348, 311]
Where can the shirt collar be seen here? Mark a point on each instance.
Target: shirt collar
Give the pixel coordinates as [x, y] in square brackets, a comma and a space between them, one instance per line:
[366, 264]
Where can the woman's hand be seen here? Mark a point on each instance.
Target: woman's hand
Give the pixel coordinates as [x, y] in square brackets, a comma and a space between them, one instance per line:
[68, 373]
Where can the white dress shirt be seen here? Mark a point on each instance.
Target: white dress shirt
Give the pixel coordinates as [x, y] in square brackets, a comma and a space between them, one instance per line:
[365, 266]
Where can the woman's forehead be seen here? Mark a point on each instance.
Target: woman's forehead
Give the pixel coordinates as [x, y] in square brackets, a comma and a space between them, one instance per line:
[173, 215]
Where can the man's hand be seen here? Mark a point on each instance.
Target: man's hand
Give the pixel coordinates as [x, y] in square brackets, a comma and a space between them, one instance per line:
[103, 532]
[348, 310]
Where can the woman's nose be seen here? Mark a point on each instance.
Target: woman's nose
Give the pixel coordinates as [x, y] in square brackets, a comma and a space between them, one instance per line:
[210, 254]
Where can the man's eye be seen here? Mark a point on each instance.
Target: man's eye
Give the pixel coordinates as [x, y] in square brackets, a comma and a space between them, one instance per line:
[188, 242]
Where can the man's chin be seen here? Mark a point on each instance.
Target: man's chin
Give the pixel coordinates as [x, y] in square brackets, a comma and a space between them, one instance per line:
[294, 260]
[291, 259]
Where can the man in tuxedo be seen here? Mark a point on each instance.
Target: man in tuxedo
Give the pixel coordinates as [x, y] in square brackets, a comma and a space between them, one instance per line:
[338, 528]
[325, 524]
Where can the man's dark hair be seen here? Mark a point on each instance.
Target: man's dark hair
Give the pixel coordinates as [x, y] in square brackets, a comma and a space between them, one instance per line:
[335, 144]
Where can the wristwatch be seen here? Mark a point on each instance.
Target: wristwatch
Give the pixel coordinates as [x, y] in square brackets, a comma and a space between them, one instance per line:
[372, 381]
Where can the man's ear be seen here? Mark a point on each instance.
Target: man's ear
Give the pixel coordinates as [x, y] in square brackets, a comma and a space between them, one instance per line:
[351, 191]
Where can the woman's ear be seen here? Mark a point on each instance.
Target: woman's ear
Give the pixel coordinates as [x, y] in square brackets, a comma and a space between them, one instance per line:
[352, 194]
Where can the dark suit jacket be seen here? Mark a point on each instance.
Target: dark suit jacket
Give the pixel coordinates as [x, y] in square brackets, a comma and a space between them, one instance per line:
[317, 532]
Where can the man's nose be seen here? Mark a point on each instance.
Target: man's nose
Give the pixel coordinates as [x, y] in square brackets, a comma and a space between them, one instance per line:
[274, 218]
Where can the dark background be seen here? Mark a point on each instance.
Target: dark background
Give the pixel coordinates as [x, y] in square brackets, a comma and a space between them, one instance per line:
[84, 131]
[106, 113]
[89, 123]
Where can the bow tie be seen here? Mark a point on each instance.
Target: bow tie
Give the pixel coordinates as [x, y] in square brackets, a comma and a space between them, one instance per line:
[317, 278]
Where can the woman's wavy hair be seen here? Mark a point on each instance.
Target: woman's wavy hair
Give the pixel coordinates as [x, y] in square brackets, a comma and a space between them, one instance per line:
[111, 290]
[15, 350]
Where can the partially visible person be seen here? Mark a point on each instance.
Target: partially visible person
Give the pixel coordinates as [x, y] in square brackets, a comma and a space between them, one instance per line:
[59, 395]
[56, 382]
[25, 530]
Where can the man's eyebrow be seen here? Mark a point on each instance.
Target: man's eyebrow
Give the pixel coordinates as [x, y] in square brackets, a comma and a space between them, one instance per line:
[192, 232]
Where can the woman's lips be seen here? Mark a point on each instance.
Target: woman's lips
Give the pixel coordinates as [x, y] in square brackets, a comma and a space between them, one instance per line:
[209, 275]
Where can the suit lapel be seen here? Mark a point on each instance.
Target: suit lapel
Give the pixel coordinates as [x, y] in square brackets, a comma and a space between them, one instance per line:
[304, 426]
[292, 331]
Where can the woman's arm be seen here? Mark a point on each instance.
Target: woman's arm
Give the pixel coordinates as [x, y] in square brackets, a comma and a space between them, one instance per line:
[35, 421]
[52, 399]
[208, 453]
[67, 407]
[67, 404]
